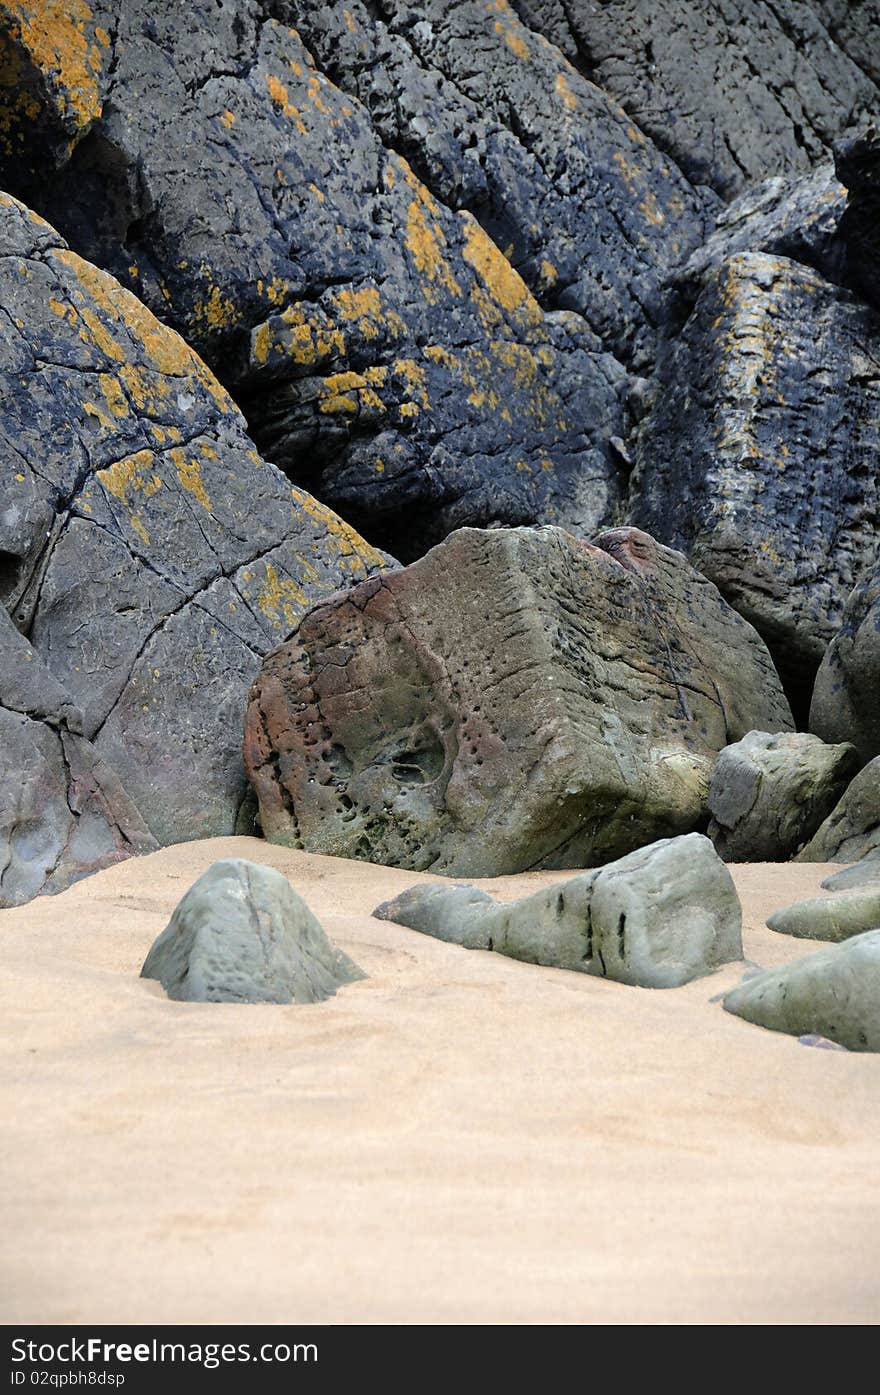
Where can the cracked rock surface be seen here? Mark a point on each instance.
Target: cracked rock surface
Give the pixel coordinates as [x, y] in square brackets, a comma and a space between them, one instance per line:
[63, 810]
[770, 792]
[773, 388]
[146, 550]
[514, 699]
[241, 934]
[664, 915]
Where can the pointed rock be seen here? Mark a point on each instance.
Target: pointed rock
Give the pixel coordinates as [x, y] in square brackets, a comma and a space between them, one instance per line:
[241, 934]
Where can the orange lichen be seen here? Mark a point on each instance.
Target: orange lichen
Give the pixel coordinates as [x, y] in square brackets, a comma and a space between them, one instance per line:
[425, 241]
[190, 475]
[52, 32]
[279, 94]
[564, 92]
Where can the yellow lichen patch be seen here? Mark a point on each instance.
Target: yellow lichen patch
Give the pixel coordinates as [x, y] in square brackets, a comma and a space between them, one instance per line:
[281, 599]
[364, 309]
[207, 450]
[18, 107]
[313, 188]
[189, 473]
[549, 274]
[425, 241]
[414, 378]
[166, 353]
[630, 171]
[344, 537]
[313, 92]
[216, 313]
[298, 334]
[53, 34]
[564, 92]
[652, 210]
[228, 119]
[380, 467]
[278, 93]
[503, 285]
[514, 40]
[113, 394]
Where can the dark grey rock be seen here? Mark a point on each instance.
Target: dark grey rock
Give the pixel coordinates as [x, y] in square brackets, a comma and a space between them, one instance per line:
[758, 455]
[241, 934]
[844, 706]
[836, 917]
[658, 918]
[147, 550]
[769, 793]
[63, 811]
[852, 829]
[732, 90]
[514, 699]
[834, 993]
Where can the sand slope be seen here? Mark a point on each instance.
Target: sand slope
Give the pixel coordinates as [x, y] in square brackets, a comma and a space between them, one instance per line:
[459, 1138]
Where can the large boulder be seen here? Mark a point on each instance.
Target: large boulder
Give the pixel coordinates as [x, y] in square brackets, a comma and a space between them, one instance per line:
[149, 553]
[241, 934]
[770, 792]
[835, 993]
[844, 706]
[664, 915]
[387, 352]
[734, 90]
[758, 455]
[514, 699]
[852, 829]
[63, 811]
[835, 917]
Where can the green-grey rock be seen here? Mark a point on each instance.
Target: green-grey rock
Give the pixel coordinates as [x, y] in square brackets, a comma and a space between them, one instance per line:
[852, 829]
[770, 792]
[657, 918]
[834, 993]
[241, 934]
[863, 873]
[829, 917]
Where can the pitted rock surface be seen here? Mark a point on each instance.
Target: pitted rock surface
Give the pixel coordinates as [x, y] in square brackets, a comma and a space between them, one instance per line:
[514, 699]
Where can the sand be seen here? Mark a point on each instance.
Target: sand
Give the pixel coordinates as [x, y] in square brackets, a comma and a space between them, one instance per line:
[460, 1138]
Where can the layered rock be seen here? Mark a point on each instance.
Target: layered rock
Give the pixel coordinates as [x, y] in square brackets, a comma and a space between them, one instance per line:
[514, 699]
[386, 351]
[835, 993]
[769, 793]
[757, 457]
[63, 811]
[658, 918]
[844, 706]
[852, 829]
[241, 934]
[149, 553]
[732, 90]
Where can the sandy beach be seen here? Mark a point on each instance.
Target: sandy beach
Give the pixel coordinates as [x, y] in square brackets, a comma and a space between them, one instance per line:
[458, 1138]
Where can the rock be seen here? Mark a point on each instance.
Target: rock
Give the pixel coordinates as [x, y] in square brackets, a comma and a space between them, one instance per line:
[769, 793]
[387, 353]
[733, 91]
[514, 699]
[857, 160]
[63, 811]
[241, 934]
[757, 457]
[149, 553]
[795, 218]
[658, 918]
[844, 705]
[829, 917]
[863, 873]
[852, 829]
[495, 120]
[834, 993]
